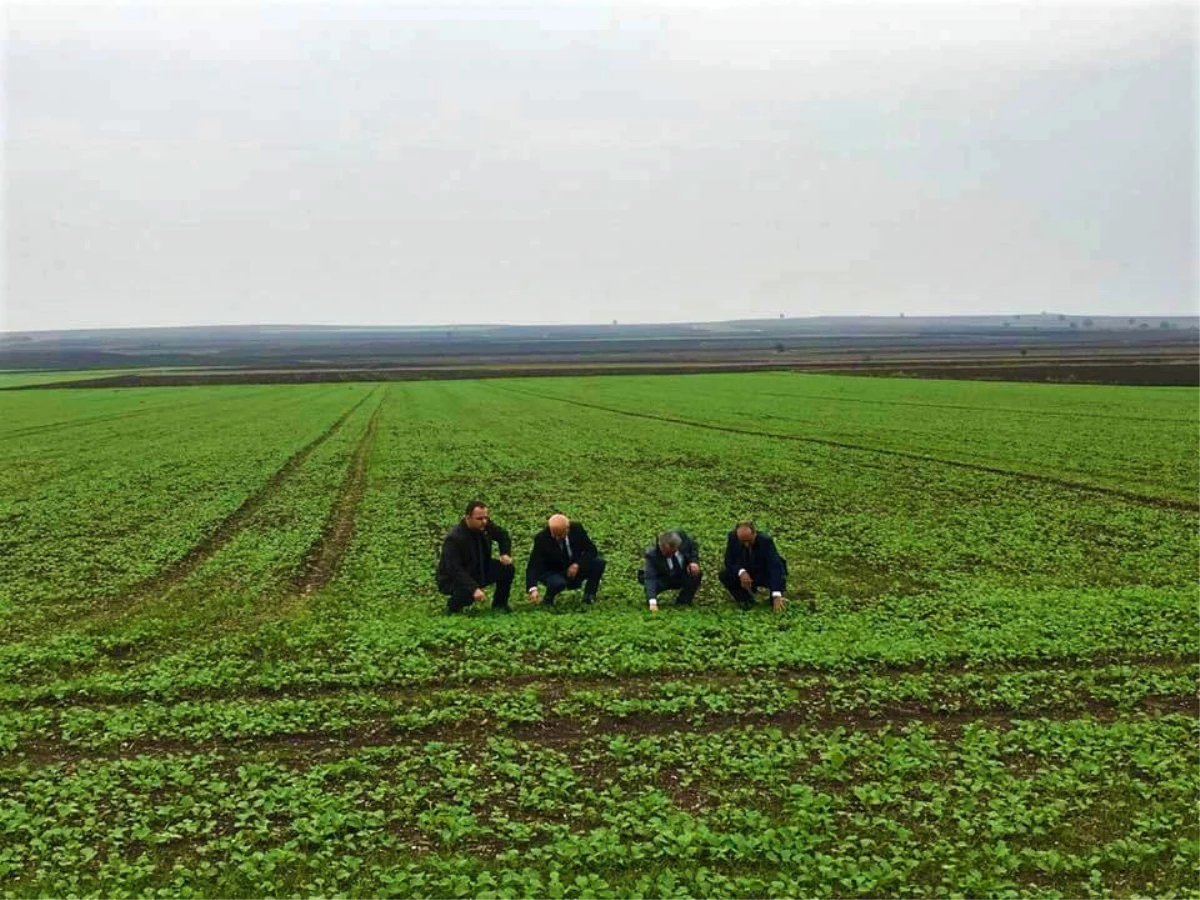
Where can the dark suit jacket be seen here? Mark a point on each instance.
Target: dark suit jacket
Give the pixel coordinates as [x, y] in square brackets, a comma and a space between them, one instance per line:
[466, 555]
[763, 561]
[657, 572]
[547, 558]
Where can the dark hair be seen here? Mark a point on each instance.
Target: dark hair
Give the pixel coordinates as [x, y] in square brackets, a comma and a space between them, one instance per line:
[745, 523]
[474, 505]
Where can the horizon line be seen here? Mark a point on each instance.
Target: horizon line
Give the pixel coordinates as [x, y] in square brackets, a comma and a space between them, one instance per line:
[616, 323]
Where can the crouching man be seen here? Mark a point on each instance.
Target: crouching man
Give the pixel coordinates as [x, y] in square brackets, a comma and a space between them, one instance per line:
[466, 566]
[752, 562]
[672, 564]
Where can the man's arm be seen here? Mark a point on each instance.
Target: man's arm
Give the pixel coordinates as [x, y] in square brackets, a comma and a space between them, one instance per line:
[585, 551]
[651, 576]
[774, 564]
[690, 549]
[454, 568]
[500, 536]
[533, 568]
[731, 555]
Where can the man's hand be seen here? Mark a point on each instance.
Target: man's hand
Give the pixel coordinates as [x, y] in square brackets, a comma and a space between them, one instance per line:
[572, 570]
[534, 597]
[777, 604]
[505, 559]
[747, 581]
[693, 568]
[479, 595]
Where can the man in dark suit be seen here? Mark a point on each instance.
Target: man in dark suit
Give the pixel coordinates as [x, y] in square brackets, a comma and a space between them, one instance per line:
[563, 558]
[466, 566]
[672, 564]
[751, 562]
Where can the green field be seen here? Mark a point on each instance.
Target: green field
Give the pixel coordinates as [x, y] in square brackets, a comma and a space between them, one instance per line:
[226, 670]
[9, 379]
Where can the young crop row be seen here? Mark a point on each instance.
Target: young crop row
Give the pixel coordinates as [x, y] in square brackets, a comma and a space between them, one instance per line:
[699, 702]
[1041, 808]
[308, 652]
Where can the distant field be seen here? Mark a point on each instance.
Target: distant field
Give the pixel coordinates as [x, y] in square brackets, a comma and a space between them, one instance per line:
[23, 379]
[226, 671]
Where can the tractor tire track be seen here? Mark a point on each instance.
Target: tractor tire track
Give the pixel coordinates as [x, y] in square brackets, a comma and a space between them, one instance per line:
[107, 609]
[323, 558]
[1142, 499]
[208, 547]
[211, 545]
[96, 610]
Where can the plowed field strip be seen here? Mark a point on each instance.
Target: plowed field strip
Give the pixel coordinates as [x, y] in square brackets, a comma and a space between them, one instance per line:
[1162, 502]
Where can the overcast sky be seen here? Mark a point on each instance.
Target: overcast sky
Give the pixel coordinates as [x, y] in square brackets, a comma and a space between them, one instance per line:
[404, 163]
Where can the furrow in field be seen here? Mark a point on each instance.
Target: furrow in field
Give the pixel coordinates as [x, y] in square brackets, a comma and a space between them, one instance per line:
[324, 557]
[1161, 502]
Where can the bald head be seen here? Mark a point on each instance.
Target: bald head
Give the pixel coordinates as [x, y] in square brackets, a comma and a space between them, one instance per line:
[746, 533]
[558, 524]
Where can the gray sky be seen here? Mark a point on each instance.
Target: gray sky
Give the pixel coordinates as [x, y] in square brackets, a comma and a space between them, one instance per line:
[570, 162]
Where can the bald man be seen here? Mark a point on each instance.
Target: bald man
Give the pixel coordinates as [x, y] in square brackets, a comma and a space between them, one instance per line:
[563, 558]
[753, 562]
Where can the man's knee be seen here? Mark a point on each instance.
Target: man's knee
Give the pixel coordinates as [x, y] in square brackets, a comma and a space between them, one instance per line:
[504, 575]
[556, 582]
[728, 579]
[598, 565]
